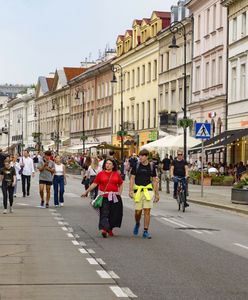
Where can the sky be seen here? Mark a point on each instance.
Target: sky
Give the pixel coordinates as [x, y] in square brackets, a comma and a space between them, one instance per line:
[39, 36]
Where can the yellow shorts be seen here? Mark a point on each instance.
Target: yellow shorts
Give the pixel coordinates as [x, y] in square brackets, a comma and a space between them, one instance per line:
[143, 203]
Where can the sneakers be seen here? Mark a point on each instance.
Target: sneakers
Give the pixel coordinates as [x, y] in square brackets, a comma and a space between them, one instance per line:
[42, 203]
[104, 233]
[186, 204]
[110, 232]
[5, 211]
[136, 229]
[11, 209]
[15, 195]
[61, 204]
[56, 205]
[47, 205]
[146, 235]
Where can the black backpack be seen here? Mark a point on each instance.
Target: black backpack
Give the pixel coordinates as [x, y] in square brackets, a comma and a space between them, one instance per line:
[151, 166]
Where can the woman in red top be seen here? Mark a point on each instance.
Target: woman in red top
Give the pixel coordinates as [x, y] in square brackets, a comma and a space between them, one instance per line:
[109, 183]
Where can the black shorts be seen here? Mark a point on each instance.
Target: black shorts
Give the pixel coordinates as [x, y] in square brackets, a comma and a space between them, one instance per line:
[45, 182]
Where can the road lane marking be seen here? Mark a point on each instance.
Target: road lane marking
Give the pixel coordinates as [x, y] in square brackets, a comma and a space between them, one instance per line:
[241, 246]
[22, 204]
[64, 229]
[100, 261]
[70, 235]
[113, 275]
[92, 261]
[70, 229]
[82, 243]
[75, 243]
[82, 250]
[127, 291]
[103, 274]
[59, 218]
[118, 292]
[91, 251]
[77, 236]
[190, 225]
[182, 225]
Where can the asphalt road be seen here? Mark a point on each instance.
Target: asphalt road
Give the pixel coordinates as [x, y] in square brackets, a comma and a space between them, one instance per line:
[202, 254]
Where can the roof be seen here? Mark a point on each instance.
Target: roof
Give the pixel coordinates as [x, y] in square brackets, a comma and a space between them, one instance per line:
[129, 31]
[49, 83]
[137, 21]
[163, 14]
[73, 72]
[147, 20]
[121, 37]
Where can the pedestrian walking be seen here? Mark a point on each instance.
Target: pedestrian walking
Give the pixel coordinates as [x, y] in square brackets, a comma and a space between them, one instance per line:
[26, 171]
[59, 182]
[143, 189]
[16, 164]
[109, 182]
[8, 179]
[92, 172]
[85, 180]
[46, 168]
[2, 158]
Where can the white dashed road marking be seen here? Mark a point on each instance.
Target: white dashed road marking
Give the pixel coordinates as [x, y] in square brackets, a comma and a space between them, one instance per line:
[241, 246]
[113, 275]
[103, 274]
[127, 291]
[70, 235]
[64, 229]
[118, 292]
[100, 261]
[74, 242]
[92, 261]
[91, 251]
[82, 250]
[181, 225]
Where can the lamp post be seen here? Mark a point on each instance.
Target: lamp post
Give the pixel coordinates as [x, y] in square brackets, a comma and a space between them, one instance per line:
[37, 114]
[19, 121]
[118, 69]
[179, 27]
[7, 125]
[83, 138]
[55, 102]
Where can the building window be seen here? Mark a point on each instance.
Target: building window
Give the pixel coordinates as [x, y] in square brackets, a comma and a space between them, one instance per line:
[243, 31]
[167, 57]
[143, 116]
[148, 114]
[234, 27]
[234, 83]
[155, 69]
[213, 72]
[133, 79]
[143, 74]
[220, 70]
[199, 27]
[154, 112]
[243, 81]
[161, 63]
[138, 77]
[128, 80]
[207, 75]
[214, 17]
[207, 23]
[149, 72]
[137, 116]
[197, 78]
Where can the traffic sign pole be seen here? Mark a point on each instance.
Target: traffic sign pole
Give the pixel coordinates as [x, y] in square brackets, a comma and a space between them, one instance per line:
[202, 174]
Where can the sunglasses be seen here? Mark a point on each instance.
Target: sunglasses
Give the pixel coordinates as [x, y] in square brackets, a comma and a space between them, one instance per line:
[179, 154]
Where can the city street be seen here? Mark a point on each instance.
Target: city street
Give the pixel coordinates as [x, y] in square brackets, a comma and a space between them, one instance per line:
[201, 254]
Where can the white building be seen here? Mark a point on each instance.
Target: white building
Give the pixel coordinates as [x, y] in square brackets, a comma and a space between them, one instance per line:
[4, 122]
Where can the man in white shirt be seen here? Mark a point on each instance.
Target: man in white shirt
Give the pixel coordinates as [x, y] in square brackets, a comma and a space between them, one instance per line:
[27, 170]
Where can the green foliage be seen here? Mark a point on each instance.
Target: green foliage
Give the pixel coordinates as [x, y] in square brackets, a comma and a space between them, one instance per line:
[242, 183]
[185, 123]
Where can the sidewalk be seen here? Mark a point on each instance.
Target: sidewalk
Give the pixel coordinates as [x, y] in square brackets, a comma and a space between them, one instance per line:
[40, 259]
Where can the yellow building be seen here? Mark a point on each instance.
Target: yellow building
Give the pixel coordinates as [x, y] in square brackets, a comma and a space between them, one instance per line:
[138, 55]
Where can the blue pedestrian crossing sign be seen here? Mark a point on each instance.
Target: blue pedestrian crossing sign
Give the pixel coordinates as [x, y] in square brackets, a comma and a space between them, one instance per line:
[202, 130]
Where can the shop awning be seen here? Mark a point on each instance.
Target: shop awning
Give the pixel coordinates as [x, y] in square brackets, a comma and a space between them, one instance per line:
[219, 142]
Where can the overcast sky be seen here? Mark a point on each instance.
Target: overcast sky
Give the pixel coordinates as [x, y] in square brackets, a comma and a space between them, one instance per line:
[38, 36]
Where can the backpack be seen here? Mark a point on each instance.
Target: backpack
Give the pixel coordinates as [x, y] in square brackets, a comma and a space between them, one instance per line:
[151, 166]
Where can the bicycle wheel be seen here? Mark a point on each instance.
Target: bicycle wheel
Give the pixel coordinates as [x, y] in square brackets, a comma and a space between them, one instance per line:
[183, 201]
[179, 200]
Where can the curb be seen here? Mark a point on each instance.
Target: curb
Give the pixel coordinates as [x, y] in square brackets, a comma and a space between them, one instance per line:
[221, 206]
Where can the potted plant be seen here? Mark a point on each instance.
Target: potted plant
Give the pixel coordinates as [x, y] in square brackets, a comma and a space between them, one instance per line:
[240, 192]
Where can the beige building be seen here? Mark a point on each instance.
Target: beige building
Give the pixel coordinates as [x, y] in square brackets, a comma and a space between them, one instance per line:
[52, 107]
[91, 106]
[171, 76]
[138, 56]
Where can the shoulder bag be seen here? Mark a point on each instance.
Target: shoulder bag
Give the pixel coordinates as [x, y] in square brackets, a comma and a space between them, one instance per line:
[97, 203]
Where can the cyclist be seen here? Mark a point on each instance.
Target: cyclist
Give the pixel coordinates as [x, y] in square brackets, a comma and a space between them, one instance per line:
[179, 170]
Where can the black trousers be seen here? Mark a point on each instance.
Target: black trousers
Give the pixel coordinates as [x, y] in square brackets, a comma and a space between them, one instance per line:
[111, 214]
[25, 179]
[7, 191]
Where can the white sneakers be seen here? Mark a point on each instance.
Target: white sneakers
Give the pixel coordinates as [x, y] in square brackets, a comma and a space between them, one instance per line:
[10, 210]
[61, 204]
[5, 211]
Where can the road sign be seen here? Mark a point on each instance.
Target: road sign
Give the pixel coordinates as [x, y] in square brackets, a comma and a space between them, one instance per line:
[203, 130]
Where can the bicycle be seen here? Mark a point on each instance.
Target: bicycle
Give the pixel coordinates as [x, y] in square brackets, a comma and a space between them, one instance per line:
[181, 197]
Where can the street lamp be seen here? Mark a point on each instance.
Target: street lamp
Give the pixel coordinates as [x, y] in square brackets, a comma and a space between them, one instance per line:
[118, 69]
[7, 126]
[55, 103]
[83, 137]
[37, 114]
[19, 121]
[179, 27]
